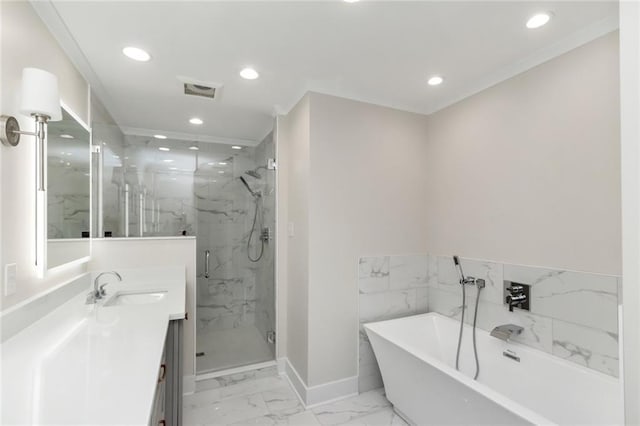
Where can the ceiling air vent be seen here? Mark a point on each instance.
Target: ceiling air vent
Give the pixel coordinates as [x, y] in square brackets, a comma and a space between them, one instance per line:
[199, 90]
[193, 87]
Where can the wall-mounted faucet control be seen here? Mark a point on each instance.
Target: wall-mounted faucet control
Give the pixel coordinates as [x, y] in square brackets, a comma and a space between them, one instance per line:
[517, 295]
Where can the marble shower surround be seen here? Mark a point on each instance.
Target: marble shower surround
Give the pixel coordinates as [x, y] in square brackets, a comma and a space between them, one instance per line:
[238, 293]
[574, 315]
[227, 298]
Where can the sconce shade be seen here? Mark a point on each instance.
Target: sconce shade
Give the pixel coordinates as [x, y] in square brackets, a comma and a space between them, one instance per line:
[40, 94]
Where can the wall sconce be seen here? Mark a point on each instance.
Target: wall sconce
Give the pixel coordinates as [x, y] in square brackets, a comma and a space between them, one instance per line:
[41, 100]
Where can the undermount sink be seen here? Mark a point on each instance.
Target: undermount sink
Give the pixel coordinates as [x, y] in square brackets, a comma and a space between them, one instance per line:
[136, 298]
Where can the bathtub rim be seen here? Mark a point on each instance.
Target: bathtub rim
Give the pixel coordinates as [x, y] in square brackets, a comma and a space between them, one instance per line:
[500, 399]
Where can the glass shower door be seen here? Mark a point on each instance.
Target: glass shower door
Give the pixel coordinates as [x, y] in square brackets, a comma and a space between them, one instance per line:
[235, 207]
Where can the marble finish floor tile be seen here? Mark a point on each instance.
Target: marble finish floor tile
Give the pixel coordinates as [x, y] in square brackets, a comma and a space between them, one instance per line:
[272, 401]
[346, 410]
[230, 348]
[226, 412]
[384, 417]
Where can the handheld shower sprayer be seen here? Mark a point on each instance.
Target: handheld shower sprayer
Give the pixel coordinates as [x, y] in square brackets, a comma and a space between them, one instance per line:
[456, 261]
[257, 197]
[479, 283]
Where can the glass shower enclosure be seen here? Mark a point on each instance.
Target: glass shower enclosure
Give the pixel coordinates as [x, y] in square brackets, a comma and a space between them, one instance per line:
[235, 209]
[225, 196]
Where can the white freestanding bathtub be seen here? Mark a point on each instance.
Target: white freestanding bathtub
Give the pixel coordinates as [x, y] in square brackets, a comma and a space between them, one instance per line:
[417, 354]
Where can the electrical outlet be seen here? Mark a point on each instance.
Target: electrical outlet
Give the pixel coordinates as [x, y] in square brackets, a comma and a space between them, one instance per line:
[10, 280]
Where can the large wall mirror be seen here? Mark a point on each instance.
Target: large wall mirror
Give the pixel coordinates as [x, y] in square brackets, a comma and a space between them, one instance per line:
[68, 190]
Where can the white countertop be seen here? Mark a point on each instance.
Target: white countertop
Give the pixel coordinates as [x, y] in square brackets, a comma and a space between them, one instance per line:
[91, 364]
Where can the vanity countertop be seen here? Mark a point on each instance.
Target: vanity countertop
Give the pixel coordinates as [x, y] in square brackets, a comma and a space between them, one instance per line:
[92, 364]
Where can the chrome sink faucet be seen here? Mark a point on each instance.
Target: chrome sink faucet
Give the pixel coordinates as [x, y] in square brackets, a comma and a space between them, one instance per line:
[98, 290]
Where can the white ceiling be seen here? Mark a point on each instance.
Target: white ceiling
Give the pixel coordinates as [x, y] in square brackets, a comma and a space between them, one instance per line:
[379, 52]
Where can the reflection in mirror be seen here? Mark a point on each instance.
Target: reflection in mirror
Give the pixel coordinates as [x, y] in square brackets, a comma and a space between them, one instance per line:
[68, 190]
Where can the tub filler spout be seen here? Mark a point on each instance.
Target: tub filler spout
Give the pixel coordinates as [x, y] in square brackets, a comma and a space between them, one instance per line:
[506, 332]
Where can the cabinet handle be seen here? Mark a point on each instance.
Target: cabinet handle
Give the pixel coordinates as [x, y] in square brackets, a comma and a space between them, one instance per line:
[163, 369]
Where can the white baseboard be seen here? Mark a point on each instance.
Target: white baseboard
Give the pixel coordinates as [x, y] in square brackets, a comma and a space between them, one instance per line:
[282, 365]
[295, 381]
[311, 396]
[188, 385]
[332, 391]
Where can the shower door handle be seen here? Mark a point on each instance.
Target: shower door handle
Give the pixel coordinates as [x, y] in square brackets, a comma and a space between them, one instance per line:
[207, 255]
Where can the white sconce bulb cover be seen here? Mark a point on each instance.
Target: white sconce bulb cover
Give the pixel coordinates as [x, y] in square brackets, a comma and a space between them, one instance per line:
[40, 94]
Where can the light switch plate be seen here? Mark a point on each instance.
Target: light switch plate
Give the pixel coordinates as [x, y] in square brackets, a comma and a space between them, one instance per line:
[10, 280]
[291, 230]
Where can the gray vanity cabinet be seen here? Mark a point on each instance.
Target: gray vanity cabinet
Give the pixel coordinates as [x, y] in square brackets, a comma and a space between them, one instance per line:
[167, 406]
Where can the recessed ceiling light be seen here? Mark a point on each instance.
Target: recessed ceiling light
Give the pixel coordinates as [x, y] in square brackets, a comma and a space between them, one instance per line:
[136, 54]
[435, 80]
[221, 172]
[173, 168]
[193, 148]
[69, 153]
[168, 160]
[211, 164]
[174, 178]
[164, 148]
[196, 120]
[65, 136]
[538, 20]
[249, 74]
[159, 136]
[222, 163]
[351, 1]
[236, 147]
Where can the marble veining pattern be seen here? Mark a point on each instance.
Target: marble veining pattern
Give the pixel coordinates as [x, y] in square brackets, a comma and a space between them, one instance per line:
[590, 347]
[389, 287]
[586, 299]
[271, 401]
[238, 294]
[373, 274]
[573, 314]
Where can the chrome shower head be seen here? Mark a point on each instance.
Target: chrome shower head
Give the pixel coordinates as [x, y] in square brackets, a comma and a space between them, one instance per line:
[253, 174]
[254, 193]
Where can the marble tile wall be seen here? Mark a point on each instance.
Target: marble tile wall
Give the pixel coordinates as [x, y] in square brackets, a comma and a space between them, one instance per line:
[224, 208]
[389, 287]
[238, 292]
[573, 315]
